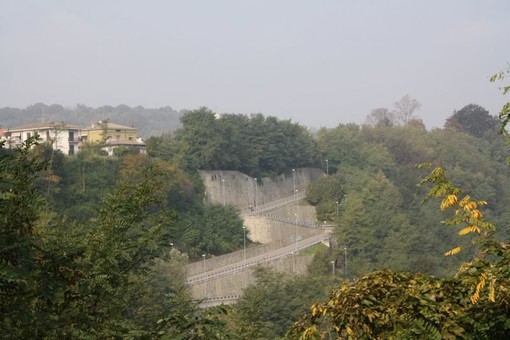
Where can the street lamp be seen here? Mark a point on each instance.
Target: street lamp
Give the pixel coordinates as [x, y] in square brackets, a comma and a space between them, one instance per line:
[327, 167]
[244, 237]
[205, 284]
[294, 181]
[293, 262]
[336, 209]
[295, 230]
[333, 267]
[223, 190]
[256, 185]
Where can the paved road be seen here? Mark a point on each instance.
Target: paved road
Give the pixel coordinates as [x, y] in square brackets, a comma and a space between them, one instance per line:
[274, 204]
[253, 261]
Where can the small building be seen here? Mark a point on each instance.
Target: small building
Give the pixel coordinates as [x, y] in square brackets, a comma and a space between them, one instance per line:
[60, 136]
[3, 134]
[113, 136]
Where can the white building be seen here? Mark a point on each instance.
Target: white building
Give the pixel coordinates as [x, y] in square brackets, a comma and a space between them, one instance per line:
[60, 136]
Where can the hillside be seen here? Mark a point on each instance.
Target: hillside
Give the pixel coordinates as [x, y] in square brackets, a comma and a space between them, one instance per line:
[148, 121]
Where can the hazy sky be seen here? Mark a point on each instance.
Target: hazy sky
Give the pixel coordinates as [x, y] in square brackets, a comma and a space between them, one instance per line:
[319, 63]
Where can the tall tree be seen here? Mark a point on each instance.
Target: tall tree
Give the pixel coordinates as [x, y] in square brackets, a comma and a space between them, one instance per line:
[472, 119]
[381, 117]
[405, 108]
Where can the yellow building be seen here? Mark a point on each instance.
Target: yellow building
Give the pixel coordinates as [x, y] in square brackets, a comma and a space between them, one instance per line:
[113, 136]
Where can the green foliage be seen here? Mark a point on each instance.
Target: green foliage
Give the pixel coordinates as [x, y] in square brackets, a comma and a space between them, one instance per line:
[387, 304]
[472, 119]
[212, 229]
[63, 280]
[381, 217]
[326, 194]
[256, 145]
[269, 307]
[21, 206]
[85, 179]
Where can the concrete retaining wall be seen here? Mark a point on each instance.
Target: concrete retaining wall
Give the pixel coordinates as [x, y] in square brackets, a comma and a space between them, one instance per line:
[234, 284]
[233, 187]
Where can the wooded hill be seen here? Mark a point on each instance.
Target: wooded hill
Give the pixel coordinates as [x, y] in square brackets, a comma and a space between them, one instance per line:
[85, 240]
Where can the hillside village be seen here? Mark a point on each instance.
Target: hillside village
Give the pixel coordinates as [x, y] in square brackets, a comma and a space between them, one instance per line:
[69, 139]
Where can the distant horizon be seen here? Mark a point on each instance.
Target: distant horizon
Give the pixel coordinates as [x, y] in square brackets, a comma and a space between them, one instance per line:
[318, 64]
[181, 111]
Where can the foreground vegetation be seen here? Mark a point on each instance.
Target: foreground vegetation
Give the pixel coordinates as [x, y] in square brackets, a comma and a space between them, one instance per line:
[96, 247]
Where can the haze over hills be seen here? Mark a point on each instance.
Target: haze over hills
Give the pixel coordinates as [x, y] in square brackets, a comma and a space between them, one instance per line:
[148, 121]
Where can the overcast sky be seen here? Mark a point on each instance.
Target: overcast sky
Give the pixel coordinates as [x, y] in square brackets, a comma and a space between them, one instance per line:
[319, 63]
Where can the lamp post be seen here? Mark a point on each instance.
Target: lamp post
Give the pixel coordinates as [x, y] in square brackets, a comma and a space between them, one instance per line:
[294, 181]
[327, 167]
[256, 185]
[336, 209]
[244, 237]
[333, 267]
[293, 262]
[295, 230]
[205, 284]
[223, 190]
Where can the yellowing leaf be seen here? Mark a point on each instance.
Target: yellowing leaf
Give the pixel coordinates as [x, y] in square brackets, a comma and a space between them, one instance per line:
[448, 201]
[477, 214]
[470, 229]
[492, 291]
[452, 199]
[465, 200]
[454, 251]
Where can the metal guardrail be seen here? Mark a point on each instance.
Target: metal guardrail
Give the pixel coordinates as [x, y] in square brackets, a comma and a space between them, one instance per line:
[301, 223]
[220, 300]
[274, 204]
[245, 264]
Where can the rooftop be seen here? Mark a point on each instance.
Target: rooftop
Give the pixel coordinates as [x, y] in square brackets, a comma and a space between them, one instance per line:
[45, 125]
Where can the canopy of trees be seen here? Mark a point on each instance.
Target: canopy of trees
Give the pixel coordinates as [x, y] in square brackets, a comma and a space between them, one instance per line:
[257, 145]
[472, 119]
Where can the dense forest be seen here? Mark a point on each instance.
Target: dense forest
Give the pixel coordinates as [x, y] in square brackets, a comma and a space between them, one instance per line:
[95, 246]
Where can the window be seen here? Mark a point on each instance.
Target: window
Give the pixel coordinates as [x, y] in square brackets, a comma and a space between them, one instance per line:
[71, 135]
[71, 149]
